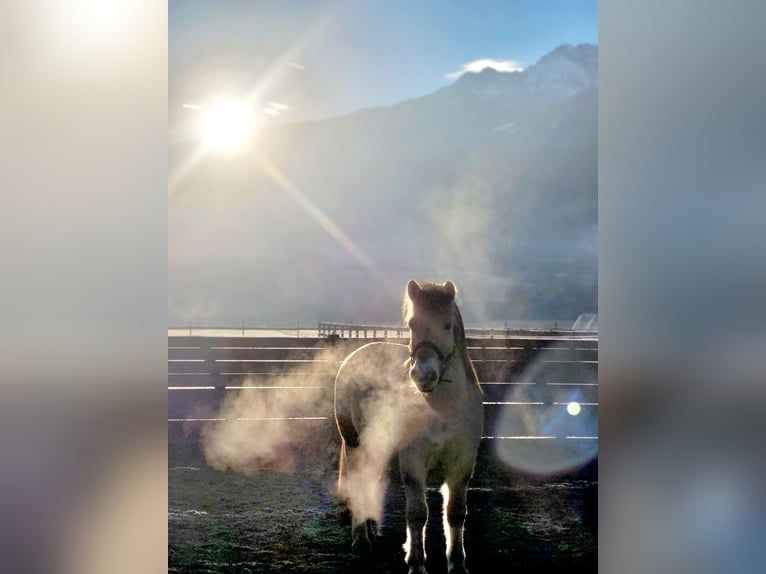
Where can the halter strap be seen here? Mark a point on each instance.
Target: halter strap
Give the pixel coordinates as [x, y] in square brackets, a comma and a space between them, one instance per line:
[443, 360]
[427, 345]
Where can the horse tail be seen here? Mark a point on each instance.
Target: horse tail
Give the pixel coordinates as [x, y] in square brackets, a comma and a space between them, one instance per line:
[343, 407]
[347, 430]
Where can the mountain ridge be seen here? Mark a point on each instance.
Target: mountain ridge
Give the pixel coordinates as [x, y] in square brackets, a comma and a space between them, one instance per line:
[498, 193]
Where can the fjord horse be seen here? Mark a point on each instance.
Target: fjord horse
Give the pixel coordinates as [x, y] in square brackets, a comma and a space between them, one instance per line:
[422, 402]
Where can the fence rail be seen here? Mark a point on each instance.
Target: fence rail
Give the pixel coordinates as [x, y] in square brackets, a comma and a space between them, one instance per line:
[535, 375]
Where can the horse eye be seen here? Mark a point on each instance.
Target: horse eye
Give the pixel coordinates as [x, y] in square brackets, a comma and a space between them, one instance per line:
[447, 326]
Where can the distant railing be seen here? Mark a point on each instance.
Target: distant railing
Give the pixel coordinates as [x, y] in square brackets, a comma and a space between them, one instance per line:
[356, 331]
[361, 331]
[325, 329]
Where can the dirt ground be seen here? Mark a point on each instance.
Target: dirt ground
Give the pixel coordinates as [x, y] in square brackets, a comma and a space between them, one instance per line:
[226, 522]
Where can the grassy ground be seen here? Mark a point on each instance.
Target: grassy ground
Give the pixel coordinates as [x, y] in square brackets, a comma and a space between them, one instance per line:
[289, 522]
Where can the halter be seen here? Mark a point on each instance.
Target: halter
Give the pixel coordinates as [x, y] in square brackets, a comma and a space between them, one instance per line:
[444, 360]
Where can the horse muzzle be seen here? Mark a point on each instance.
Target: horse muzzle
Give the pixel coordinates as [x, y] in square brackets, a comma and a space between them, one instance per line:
[425, 376]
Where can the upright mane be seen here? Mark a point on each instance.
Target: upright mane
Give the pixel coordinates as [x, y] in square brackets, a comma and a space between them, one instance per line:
[436, 298]
[462, 345]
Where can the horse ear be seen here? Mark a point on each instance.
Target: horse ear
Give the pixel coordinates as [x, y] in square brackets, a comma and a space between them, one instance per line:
[413, 289]
[449, 286]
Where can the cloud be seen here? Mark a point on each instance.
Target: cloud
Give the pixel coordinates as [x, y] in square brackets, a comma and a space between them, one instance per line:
[275, 108]
[479, 65]
[297, 66]
[191, 106]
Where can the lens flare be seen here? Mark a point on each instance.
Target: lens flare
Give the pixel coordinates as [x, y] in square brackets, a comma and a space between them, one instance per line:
[573, 408]
[561, 376]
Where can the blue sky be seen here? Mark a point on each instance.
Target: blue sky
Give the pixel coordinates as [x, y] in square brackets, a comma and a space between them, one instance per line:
[321, 58]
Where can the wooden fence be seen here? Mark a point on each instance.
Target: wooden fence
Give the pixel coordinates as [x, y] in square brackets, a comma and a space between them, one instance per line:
[534, 374]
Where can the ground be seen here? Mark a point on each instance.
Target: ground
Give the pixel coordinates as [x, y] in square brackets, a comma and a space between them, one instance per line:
[226, 522]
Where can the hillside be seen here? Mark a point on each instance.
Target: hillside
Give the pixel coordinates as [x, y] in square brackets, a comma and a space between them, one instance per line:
[490, 181]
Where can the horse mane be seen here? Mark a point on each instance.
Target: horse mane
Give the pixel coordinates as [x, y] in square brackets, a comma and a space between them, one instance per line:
[435, 298]
[462, 345]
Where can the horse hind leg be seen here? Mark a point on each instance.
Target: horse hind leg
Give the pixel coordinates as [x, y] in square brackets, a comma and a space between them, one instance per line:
[344, 512]
[363, 536]
[349, 441]
[362, 492]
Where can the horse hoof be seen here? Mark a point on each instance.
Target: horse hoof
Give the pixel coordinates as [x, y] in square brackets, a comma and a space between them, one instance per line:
[360, 544]
[361, 547]
[420, 569]
[363, 538]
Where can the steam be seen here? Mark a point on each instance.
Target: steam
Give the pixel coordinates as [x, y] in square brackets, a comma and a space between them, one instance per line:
[282, 428]
[277, 423]
[365, 483]
[364, 486]
[374, 389]
[264, 431]
[463, 220]
[270, 425]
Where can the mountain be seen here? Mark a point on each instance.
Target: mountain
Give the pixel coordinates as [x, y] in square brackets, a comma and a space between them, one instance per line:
[490, 181]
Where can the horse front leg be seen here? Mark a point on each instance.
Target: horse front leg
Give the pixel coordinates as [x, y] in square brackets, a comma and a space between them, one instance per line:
[417, 516]
[454, 493]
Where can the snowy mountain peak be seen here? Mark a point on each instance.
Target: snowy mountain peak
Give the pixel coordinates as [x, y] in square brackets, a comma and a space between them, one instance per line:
[567, 69]
[489, 83]
[562, 72]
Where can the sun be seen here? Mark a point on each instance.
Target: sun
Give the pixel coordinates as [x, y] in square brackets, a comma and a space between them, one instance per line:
[228, 125]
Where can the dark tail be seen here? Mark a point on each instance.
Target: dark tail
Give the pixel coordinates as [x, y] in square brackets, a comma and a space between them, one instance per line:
[347, 430]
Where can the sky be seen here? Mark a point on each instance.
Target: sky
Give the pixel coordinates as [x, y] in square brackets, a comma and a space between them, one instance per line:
[298, 59]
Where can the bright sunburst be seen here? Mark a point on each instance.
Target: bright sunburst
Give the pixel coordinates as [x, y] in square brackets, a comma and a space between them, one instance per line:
[228, 125]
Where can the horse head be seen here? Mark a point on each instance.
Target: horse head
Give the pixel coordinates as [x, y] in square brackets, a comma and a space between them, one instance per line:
[434, 321]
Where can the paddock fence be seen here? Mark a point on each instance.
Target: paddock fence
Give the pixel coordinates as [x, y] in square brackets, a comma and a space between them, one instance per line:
[540, 376]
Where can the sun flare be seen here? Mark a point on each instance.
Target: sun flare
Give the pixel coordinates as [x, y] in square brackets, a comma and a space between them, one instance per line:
[228, 125]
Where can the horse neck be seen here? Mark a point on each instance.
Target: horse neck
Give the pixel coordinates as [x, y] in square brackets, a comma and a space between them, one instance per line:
[461, 344]
[456, 389]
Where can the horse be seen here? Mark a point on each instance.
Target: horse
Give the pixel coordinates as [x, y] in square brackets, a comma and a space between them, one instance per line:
[422, 402]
